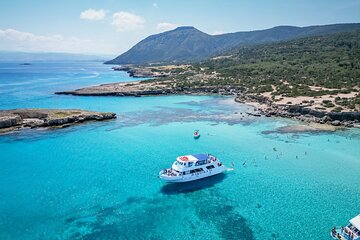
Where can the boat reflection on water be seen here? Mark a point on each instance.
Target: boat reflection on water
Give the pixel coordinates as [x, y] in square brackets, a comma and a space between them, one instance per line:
[186, 187]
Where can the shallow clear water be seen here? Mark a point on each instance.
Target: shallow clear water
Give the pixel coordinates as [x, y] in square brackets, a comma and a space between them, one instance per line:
[99, 180]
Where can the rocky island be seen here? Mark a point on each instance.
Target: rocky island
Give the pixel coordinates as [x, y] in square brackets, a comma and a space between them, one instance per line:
[18, 119]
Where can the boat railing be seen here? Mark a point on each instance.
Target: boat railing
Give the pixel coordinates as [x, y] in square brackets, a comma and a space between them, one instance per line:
[211, 158]
[170, 172]
[344, 233]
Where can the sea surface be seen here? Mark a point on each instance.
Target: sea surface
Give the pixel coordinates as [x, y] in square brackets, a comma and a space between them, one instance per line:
[100, 180]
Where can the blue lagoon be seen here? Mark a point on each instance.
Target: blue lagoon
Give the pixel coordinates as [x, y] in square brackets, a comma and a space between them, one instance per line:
[100, 180]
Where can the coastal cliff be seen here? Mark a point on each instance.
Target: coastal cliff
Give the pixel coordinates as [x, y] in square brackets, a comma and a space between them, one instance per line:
[18, 119]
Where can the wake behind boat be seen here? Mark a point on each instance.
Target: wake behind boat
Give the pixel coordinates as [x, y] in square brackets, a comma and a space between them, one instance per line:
[192, 167]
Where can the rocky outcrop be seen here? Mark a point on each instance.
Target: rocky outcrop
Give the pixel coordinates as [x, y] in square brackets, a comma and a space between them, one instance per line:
[341, 116]
[150, 88]
[303, 113]
[34, 118]
[141, 72]
[325, 116]
[10, 121]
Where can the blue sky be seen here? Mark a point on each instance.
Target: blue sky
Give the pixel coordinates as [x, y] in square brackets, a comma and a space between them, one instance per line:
[113, 26]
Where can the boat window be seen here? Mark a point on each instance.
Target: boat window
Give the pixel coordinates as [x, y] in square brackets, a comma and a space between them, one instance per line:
[210, 167]
[190, 164]
[192, 171]
[200, 163]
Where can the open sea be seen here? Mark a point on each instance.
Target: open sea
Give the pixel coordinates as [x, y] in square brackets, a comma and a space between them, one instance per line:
[99, 180]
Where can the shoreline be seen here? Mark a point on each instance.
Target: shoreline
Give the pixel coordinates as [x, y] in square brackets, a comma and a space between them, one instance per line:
[19, 119]
[263, 105]
[301, 113]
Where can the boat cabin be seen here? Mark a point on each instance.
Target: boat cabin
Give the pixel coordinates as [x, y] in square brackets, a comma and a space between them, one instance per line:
[192, 167]
[193, 160]
[194, 164]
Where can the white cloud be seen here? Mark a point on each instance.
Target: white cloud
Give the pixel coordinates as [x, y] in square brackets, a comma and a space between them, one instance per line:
[14, 40]
[162, 27]
[125, 21]
[92, 14]
[218, 32]
[155, 5]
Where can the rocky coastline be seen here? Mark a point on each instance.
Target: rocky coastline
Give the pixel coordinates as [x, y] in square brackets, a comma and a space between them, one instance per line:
[265, 106]
[140, 72]
[303, 113]
[18, 119]
[149, 88]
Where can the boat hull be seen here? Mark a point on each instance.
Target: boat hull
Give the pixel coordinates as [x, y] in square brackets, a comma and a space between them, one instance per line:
[192, 177]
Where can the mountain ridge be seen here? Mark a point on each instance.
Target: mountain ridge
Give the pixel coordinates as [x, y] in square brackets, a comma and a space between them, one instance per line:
[188, 44]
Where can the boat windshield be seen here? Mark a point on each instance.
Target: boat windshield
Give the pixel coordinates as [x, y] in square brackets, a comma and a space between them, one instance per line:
[179, 163]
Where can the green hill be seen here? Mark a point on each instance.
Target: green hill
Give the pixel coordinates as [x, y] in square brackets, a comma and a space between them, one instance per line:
[187, 44]
[330, 61]
[311, 67]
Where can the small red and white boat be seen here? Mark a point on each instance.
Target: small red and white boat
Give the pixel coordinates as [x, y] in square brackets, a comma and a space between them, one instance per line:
[196, 134]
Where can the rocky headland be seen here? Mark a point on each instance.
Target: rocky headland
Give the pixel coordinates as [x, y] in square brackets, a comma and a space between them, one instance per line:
[153, 71]
[305, 113]
[265, 105]
[150, 88]
[138, 72]
[17, 119]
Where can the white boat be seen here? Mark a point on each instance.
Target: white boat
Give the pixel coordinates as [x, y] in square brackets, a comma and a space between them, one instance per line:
[196, 134]
[350, 232]
[192, 167]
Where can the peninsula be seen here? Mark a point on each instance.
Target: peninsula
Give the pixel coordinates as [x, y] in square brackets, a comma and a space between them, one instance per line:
[17, 119]
[313, 79]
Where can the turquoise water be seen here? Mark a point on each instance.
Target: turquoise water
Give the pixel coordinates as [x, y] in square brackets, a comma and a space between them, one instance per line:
[99, 180]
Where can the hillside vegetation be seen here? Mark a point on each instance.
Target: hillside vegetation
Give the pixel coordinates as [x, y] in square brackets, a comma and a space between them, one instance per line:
[311, 66]
[331, 61]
